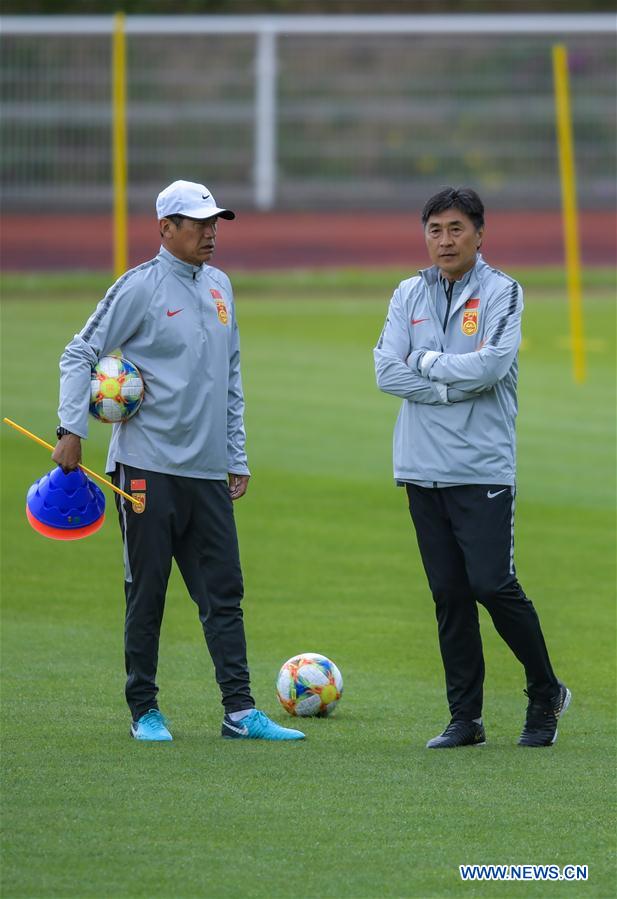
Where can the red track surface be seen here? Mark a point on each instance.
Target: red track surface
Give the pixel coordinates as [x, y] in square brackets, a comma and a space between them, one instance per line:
[300, 240]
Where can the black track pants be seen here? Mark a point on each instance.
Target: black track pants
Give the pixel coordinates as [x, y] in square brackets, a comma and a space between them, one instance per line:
[190, 520]
[465, 536]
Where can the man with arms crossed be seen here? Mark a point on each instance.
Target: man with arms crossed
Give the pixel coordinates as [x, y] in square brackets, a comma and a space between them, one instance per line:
[183, 453]
[449, 349]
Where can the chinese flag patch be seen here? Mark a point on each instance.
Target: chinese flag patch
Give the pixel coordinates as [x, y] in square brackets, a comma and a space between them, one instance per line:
[472, 304]
[138, 484]
[215, 294]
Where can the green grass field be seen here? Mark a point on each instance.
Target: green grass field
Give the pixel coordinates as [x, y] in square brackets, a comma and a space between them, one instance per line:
[360, 809]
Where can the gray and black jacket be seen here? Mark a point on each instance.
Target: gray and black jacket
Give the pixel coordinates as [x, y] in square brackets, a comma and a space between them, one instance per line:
[176, 322]
[458, 385]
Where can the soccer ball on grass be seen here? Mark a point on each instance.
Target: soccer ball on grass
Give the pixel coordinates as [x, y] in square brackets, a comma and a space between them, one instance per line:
[309, 684]
[116, 389]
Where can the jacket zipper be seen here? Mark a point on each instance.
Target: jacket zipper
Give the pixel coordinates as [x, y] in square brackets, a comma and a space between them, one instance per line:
[448, 291]
[200, 308]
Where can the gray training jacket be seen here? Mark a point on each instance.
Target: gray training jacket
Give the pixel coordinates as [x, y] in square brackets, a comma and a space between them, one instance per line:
[176, 322]
[457, 421]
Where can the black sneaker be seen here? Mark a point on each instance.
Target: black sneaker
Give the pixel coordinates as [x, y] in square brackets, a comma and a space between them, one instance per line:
[459, 733]
[542, 717]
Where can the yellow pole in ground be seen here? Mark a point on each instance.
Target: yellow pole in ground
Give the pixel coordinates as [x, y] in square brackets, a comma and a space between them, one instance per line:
[570, 212]
[119, 145]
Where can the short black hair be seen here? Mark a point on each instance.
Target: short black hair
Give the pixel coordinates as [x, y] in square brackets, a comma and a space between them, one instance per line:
[463, 198]
[176, 218]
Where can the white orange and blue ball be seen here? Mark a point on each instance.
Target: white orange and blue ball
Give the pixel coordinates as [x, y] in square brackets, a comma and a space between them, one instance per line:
[116, 389]
[309, 685]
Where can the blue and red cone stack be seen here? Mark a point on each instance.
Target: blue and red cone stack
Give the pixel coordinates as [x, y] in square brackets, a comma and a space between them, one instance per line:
[65, 506]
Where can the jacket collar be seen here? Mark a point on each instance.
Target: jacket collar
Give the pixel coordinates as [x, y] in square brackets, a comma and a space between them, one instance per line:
[184, 269]
[470, 283]
[431, 275]
[458, 287]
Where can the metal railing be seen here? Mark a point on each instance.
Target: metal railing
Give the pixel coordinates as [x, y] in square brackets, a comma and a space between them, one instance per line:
[302, 111]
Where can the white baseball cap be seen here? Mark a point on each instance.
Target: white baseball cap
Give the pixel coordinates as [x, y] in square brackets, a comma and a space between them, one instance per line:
[190, 199]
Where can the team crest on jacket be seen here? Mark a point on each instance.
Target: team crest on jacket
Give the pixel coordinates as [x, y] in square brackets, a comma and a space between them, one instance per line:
[138, 509]
[469, 324]
[221, 308]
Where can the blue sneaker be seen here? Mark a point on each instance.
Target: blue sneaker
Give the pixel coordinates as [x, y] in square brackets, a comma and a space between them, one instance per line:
[150, 726]
[257, 726]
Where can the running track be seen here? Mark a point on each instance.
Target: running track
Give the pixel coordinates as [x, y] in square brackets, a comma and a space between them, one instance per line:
[300, 240]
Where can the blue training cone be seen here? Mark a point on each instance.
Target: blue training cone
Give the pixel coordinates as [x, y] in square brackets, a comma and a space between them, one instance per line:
[65, 506]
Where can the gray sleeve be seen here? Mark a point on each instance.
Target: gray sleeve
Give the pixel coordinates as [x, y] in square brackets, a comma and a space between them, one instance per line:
[391, 370]
[114, 320]
[461, 396]
[237, 462]
[482, 369]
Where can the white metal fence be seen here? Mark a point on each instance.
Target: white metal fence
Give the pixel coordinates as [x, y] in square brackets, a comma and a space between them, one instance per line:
[306, 112]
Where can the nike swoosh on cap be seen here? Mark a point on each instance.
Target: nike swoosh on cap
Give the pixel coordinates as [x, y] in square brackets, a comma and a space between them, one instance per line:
[205, 196]
[493, 495]
[175, 312]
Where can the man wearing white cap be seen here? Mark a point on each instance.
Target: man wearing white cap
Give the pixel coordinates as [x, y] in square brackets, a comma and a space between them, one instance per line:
[184, 453]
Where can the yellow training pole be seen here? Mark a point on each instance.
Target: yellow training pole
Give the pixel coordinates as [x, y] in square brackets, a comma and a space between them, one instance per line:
[93, 474]
[570, 212]
[119, 145]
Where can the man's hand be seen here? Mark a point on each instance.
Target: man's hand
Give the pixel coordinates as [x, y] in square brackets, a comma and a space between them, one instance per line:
[421, 360]
[67, 453]
[237, 485]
